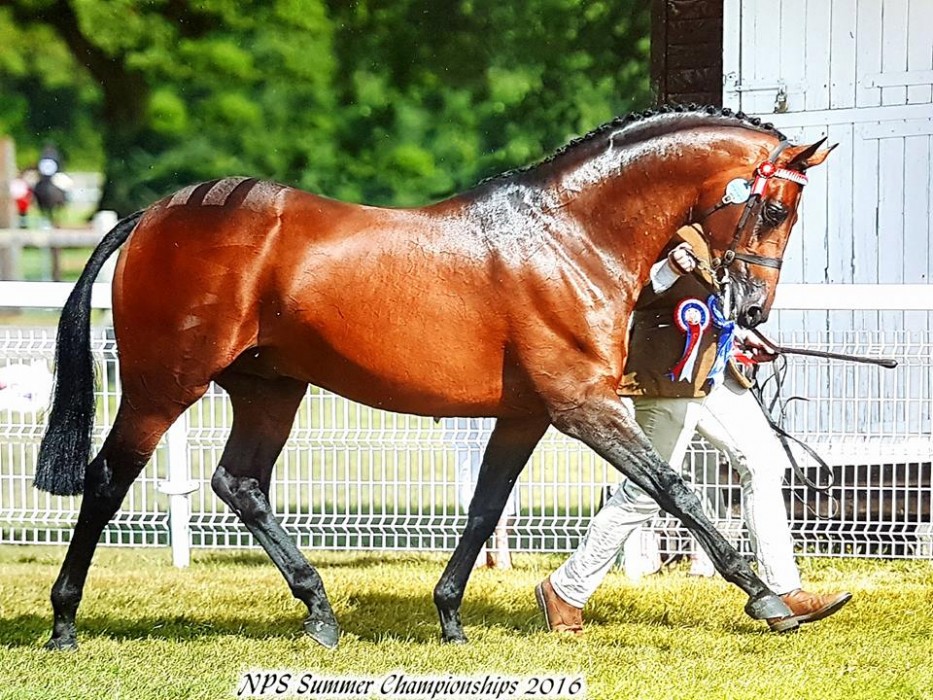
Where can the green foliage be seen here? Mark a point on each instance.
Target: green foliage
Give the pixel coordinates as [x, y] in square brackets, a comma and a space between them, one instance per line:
[45, 98]
[390, 102]
[482, 85]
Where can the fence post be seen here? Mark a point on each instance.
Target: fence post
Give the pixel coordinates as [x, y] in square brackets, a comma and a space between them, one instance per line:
[8, 217]
[10, 252]
[178, 487]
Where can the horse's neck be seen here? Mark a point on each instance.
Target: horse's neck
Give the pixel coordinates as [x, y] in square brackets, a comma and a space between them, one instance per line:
[631, 219]
[630, 200]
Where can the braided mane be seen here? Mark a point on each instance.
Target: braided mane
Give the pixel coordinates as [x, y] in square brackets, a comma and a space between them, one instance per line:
[652, 122]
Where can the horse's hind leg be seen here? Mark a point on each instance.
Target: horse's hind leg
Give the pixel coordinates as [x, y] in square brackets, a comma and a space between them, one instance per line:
[263, 412]
[510, 446]
[134, 436]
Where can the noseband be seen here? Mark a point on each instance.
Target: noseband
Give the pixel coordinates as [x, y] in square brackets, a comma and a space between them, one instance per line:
[752, 193]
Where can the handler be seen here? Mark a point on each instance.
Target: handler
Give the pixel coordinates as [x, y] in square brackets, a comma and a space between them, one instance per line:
[680, 364]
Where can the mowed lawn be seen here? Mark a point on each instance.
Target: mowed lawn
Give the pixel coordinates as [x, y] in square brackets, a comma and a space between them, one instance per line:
[148, 630]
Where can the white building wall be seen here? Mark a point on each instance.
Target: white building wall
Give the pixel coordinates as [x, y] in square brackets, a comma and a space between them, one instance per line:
[861, 73]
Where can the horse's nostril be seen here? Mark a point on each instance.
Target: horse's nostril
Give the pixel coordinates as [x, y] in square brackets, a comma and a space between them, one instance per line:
[753, 315]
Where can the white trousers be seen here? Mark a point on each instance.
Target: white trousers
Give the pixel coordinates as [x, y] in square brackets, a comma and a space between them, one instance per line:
[732, 421]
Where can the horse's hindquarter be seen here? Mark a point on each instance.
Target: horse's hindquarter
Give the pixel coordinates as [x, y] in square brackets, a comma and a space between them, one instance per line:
[186, 288]
[384, 306]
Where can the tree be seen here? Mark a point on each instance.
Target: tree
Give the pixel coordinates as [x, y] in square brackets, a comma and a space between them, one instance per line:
[385, 101]
[45, 98]
[188, 90]
[451, 91]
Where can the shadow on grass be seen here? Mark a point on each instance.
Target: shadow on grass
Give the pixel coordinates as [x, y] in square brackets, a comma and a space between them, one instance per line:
[325, 559]
[371, 617]
[416, 622]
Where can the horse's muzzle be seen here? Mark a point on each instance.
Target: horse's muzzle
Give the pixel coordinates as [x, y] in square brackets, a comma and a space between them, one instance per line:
[752, 315]
[751, 300]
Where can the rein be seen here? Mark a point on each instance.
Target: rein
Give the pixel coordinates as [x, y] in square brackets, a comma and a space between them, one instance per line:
[776, 421]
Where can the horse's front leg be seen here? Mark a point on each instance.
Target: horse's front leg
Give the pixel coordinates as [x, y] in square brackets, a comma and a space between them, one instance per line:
[509, 448]
[601, 422]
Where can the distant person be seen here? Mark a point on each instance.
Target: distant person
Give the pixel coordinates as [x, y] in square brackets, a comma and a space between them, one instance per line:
[469, 437]
[51, 189]
[21, 193]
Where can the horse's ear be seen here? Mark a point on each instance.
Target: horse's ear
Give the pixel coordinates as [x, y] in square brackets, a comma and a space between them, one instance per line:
[803, 157]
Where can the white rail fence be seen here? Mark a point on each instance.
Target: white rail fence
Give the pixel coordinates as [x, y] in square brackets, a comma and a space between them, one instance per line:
[351, 477]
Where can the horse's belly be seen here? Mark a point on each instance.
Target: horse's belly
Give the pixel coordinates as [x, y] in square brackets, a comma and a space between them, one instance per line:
[399, 369]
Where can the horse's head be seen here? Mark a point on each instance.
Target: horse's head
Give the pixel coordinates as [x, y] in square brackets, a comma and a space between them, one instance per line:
[748, 213]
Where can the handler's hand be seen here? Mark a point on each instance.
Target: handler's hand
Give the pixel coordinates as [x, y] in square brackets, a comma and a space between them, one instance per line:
[681, 259]
[754, 347]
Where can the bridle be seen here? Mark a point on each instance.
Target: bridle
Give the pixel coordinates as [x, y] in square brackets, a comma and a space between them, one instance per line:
[752, 193]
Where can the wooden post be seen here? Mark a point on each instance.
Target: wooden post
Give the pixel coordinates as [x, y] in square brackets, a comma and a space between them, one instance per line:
[686, 51]
[9, 254]
[56, 254]
[7, 174]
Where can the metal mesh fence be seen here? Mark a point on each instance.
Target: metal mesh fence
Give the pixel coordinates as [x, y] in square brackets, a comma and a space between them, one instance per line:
[351, 477]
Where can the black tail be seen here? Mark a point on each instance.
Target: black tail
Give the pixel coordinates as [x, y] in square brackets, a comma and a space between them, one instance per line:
[66, 447]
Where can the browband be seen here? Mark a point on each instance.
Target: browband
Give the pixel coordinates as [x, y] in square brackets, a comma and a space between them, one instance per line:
[792, 175]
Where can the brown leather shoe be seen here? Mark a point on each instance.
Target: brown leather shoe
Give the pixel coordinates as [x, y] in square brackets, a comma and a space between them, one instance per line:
[560, 616]
[807, 607]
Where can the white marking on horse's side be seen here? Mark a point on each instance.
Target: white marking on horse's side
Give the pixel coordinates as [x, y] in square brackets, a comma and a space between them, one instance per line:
[260, 194]
[217, 195]
[190, 321]
[182, 196]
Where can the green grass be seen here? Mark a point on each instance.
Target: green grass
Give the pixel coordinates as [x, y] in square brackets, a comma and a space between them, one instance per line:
[150, 631]
[37, 263]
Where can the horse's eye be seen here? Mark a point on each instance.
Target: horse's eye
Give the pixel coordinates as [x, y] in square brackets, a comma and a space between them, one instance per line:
[774, 213]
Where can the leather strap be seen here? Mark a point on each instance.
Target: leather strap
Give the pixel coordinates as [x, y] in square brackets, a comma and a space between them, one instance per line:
[759, 260]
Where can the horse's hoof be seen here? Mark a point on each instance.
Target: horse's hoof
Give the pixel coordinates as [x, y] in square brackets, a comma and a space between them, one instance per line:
[764, 606]
[324, 632]
[61, 644]
[455, 637]
[783, 624]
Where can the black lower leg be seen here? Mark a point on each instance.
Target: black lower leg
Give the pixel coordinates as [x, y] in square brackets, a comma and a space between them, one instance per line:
[102, 499]
[510, 446]
[247, 499]
[674, 496]
[448, 594]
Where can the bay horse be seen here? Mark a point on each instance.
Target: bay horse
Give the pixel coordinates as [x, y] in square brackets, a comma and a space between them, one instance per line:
[510, 300]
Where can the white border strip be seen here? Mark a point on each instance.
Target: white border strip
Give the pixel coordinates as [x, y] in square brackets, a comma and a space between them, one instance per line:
[48, 295]
[800, 297]
[854, 297]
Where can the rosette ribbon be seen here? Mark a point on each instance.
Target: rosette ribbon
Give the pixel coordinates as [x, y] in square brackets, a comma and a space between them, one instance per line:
[692, 317]
[724, 345]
